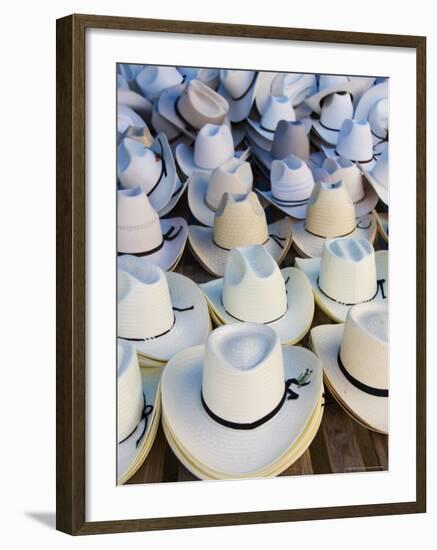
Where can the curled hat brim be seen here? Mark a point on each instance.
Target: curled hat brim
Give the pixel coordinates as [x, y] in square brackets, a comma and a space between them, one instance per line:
[296, 212]
[335, 310]
[326, 342]
[185, 159]
[369, 98]
[191, 327]
[235, 453]
[177, 194]
[214, 258]
[130, 456]
[380, 189]
[296, 321]
[197, 189]
[311, 246]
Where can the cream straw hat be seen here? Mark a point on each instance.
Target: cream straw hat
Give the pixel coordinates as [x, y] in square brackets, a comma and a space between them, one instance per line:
[206, 192]
[160, 313]
[190, 106]
[153, 169]
[378, 177]
[138, 410]
[330, 214]
[362, 194]
[242, 401]
[153, 80]
[238, 89]
[213, 146]
[239, 221]
[140, 231]
[336, 108]
[350, 272]
[355, 361]
[291, 184]
[254, 289]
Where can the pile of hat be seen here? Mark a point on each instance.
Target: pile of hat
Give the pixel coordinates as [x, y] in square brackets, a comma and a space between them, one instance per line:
[265, 161]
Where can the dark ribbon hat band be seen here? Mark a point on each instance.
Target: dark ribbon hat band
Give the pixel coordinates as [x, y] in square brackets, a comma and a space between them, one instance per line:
[244, 94]
[379, 286]
[166, 237]
[377, 392]
[147, 410]
[276, 238]
[355, 160]
[180, 310]
[301, 381]
[163, 169]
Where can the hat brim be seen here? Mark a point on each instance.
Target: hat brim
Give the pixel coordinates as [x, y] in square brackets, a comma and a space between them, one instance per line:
[214, 258]
[314, 101]
[326, 342]
[287, 459]
[169, 254]
[382, 191]
[190, 328]
[329, 136]
[296, 212]
[369, 98]
[264, 88]
[330, 152]
[270, 134]
[308, 245]
[292, 326]
[167, 109]
[382, 221]
[232, 452]
[177, 194]
[336, 311]
[239, 109]
[185, 159]
[130, 456]
[197, 189]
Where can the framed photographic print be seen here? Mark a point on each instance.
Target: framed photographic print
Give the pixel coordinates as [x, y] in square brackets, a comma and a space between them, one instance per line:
[238, 211]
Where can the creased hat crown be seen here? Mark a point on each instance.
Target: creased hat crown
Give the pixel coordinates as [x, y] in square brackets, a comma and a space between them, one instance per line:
[355, 140]
[335, 109]
[291, 138]
[138, 165]
[213, 146]
[277, 108]
[234, 177]
[199, 105]
[237, 82]
[342, 169]
[153, 80]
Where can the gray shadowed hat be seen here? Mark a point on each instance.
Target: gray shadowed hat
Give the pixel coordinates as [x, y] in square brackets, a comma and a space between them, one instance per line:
[291, 138]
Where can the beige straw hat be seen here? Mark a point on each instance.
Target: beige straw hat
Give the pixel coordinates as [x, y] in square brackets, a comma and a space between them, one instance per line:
[138, 410]
[348, 273]
[330, 214]
[239, 221]
[140, 231]
[160, 313]
[206, 192]
[362, 193]
[354, 357]
[238, 88]
[255, 290]
[192, 105]
[238, 404]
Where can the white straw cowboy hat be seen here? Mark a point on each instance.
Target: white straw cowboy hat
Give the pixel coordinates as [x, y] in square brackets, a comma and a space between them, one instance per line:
[378, 177]
[138, 410]
[210, 77]
[160, 313]
[255, 290]
[153, 80]
[192, 105]
[276, 108]
[348, 273]
[239, 221]
[373, 106]
[291, 138]
[295, 86]
[240, 403]
[329, 84]
[135, 101]
[354, 357]
[153, 169]
[354, 143]
[291, 186]
[362, 193]
[213, 146]
[140, 232]
[238, 89]
[205, 192]
[330, 214]
[336, 108]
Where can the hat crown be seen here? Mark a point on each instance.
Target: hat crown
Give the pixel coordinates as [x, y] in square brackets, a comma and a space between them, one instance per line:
[138, 165]
[294, 85]
[355, 140]
[290, 138]
[291, 179]
[335, 109]
[243, 372]
[199, 105]
[240, 221]
[378, 118]
[364, 347]
[233, 177]
[380, 170]
[143, 299]
[213, 146]
[153, 80]
[330, 211]
[277, 108]
[129, 390]
[236, 82]
[138, 227]
[342, 169]
[348, 270]
[253, 286]
[332, 81]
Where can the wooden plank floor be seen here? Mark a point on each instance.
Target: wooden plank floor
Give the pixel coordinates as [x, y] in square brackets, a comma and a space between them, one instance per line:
[341, 445]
